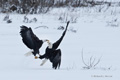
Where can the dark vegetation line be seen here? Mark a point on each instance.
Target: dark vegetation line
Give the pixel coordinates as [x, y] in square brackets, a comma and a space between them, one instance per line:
[43, 6]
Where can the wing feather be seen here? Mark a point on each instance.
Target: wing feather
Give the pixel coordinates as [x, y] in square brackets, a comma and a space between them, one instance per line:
[57, 43]
[29, 38]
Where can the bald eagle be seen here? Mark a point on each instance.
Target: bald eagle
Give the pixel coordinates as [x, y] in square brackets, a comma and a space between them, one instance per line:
[52, 52]
[31, 40]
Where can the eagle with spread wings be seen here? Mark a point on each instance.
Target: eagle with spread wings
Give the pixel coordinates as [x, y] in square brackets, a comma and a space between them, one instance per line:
[31, 40]
[52, 52]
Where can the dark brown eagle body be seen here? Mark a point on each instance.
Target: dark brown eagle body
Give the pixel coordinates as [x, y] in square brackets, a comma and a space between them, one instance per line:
[30, 39]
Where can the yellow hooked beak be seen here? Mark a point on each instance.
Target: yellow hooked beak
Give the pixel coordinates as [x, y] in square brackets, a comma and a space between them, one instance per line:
[47, 41]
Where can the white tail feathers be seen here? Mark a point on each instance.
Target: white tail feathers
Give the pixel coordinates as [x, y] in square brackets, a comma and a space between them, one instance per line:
[43, 62]
[28, 53]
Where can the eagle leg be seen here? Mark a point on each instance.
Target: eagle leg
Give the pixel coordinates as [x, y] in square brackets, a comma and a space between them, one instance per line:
[36, 57]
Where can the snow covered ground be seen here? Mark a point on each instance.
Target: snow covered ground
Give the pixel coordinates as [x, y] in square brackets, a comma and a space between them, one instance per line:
[96, 34]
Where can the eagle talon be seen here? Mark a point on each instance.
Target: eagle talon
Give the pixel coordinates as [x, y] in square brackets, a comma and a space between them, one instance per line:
[36, 57]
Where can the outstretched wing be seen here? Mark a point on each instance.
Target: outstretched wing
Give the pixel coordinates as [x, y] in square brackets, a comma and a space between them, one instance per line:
[57, 43]
[30, 39]
[56, 61]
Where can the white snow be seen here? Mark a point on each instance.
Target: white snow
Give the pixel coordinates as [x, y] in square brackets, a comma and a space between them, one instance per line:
[94, 34]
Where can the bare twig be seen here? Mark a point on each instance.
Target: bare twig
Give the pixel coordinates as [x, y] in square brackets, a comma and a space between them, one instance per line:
[97, 62]
[83, 59]
[91, 63]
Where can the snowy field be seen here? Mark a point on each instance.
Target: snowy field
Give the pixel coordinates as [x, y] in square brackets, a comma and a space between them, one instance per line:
[91, 33]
